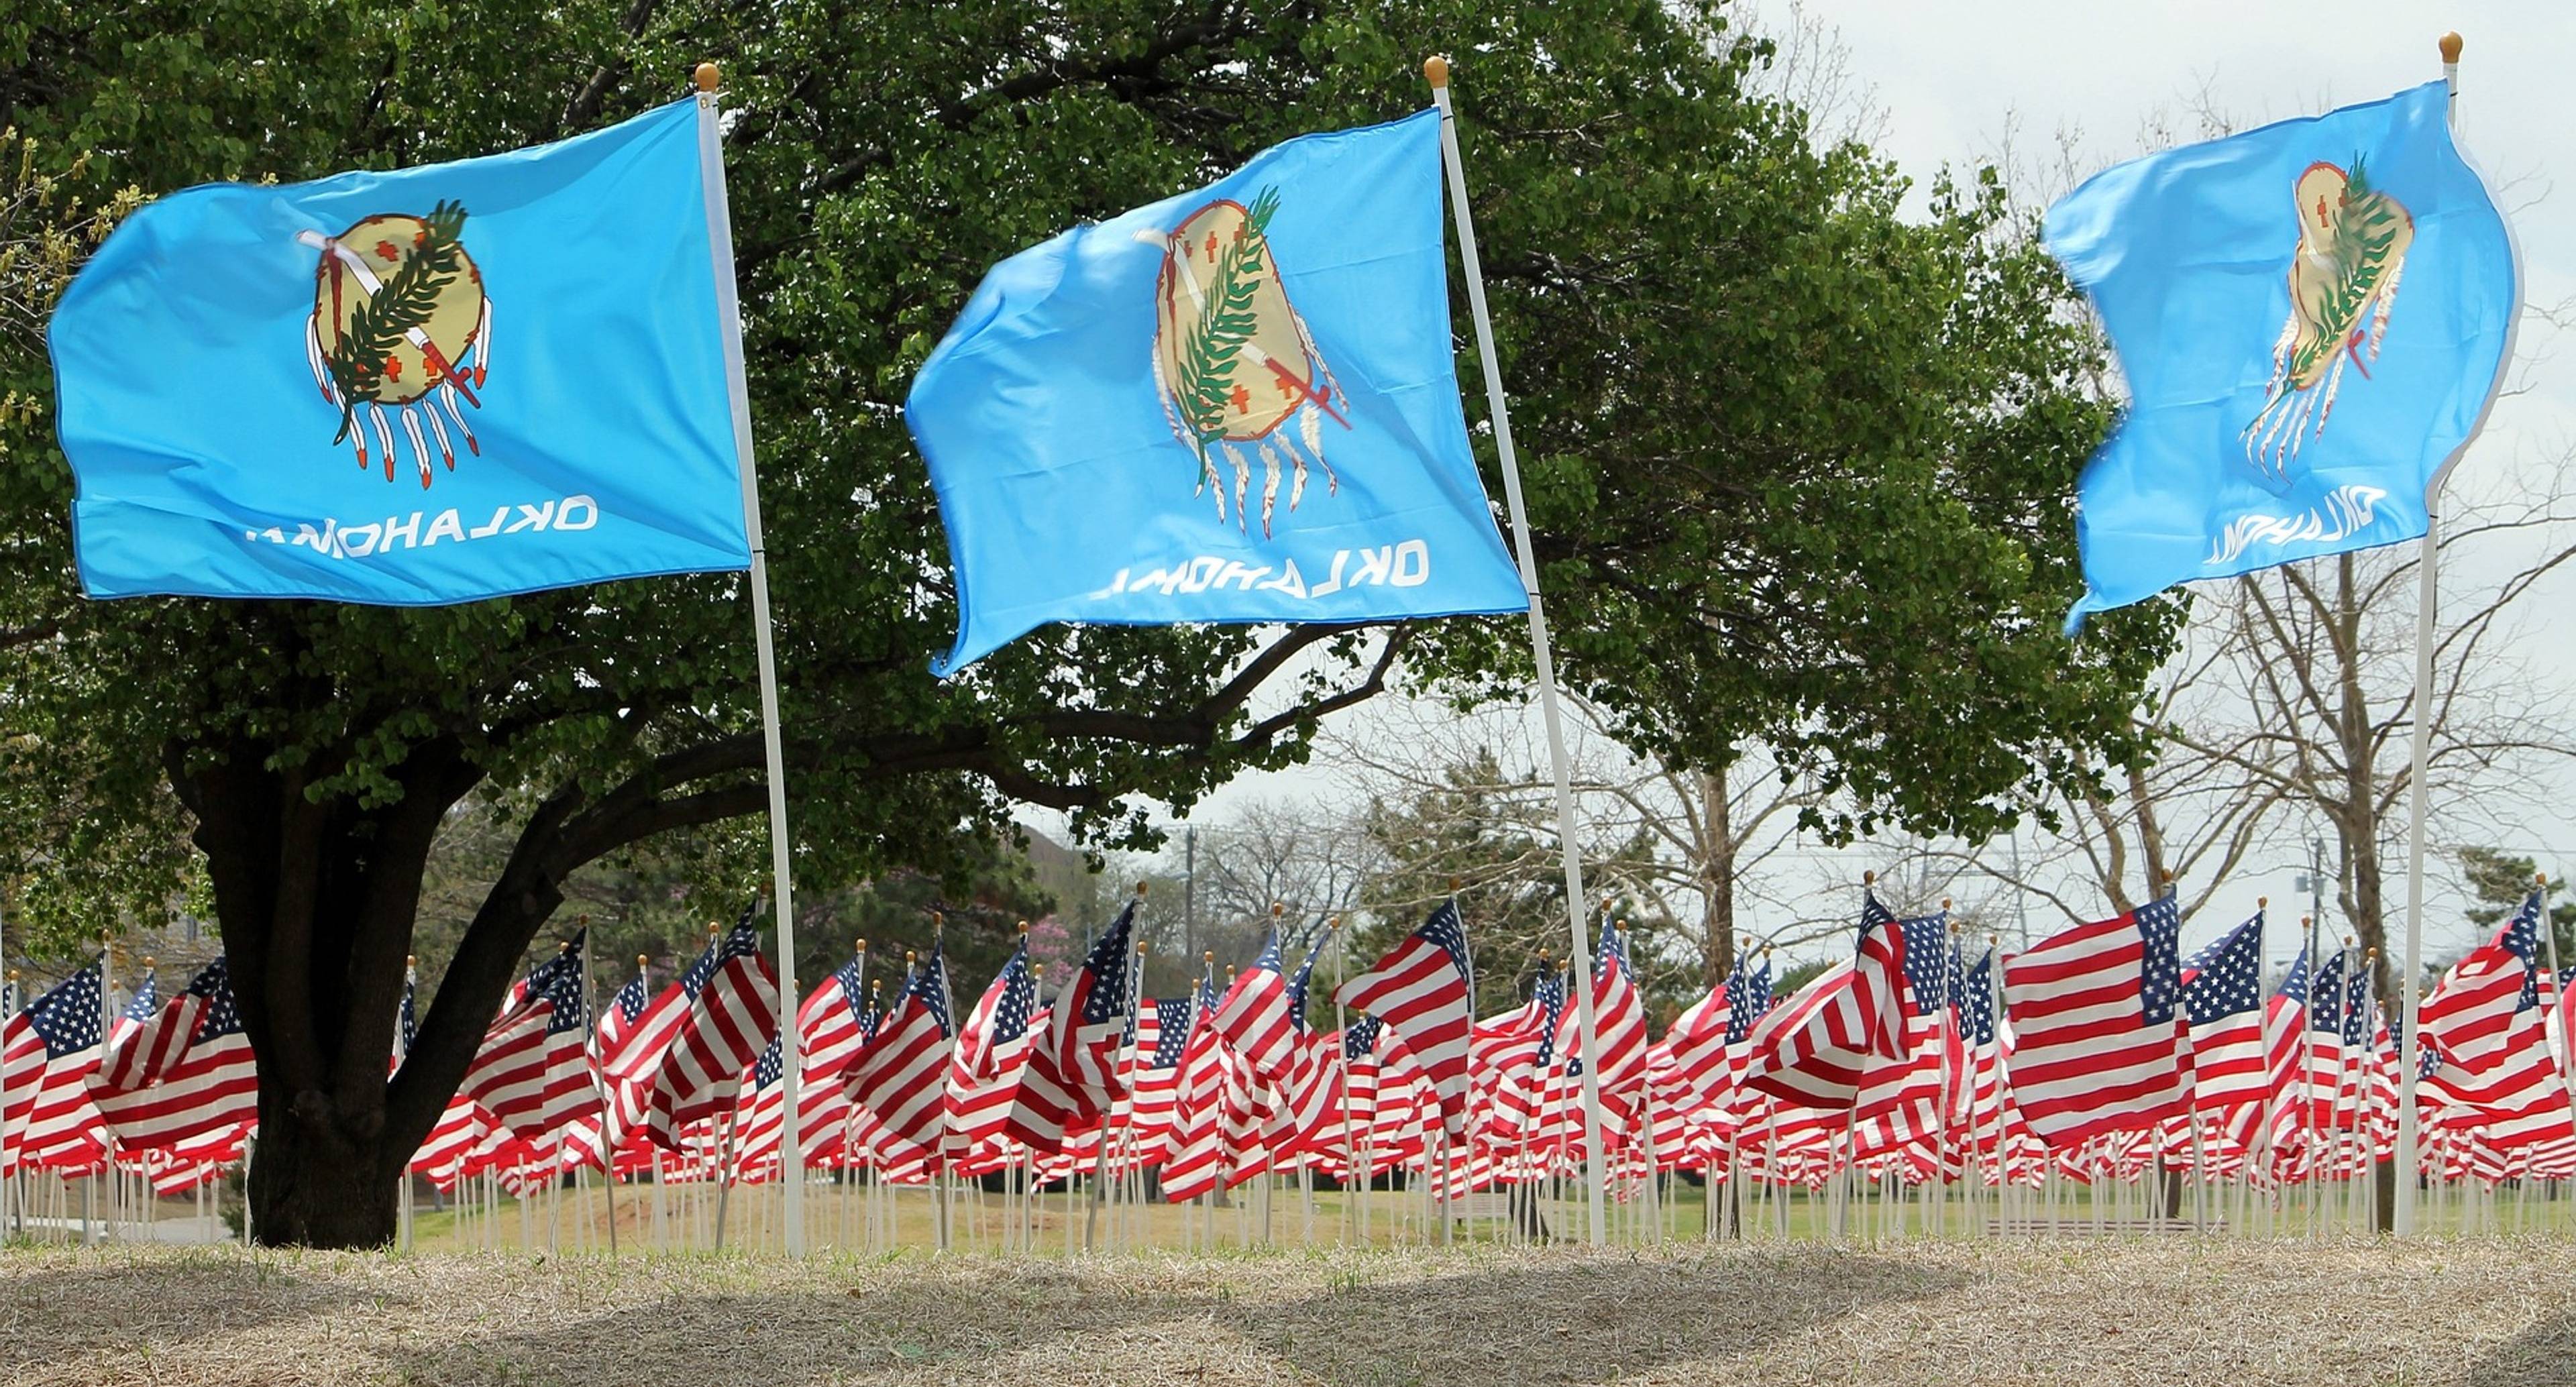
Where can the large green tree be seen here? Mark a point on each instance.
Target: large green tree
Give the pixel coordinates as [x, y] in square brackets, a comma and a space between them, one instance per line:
[1796, 466]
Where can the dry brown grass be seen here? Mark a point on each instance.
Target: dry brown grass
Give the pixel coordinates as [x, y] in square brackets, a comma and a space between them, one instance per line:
[1924, 1314]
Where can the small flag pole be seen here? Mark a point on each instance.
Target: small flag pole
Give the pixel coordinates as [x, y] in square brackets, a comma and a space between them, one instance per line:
[1436, 70]
[791, 1144]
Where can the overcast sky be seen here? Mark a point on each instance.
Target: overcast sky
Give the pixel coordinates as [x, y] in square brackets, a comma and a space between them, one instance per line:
[1959, 84]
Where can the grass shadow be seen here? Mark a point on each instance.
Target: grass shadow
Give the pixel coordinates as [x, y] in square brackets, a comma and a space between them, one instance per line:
[2542, 1355]
[59, 1310]
[1370, 1321]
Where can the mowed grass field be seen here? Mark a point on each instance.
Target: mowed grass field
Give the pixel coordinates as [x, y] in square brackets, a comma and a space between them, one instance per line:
[2490, 1311]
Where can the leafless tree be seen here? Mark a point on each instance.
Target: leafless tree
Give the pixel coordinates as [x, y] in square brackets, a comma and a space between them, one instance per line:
[1687, 844]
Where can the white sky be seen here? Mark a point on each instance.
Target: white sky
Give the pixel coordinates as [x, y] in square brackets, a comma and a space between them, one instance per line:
[1969, 81]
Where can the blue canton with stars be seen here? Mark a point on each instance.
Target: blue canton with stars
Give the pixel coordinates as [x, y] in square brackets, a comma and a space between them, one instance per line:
[67, 1017]
[214, 983]
[1019, 999]
[2294, 984]
[1176, 1018]
[1297, 985]
[558, 980]
[1442, 927]
[2226, 978]
[1107, 965]
[742, 942]
[1976, 1002]
[929, 986]
[146, 1000]
[1549, 993]
[2160, 967]
[2521, 935]
[631, 1000]
[2325, 995]
[1748, 996]
[1360, 1037]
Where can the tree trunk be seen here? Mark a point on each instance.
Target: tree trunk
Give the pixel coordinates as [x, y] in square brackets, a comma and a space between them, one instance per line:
[319, 1181]
[316, 896]
[1717, 878]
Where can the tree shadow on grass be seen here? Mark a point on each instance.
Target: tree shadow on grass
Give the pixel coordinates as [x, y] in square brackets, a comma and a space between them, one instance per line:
[1374, 1321]
[1585, 1320]
[55, 1312]
[2542, 1355]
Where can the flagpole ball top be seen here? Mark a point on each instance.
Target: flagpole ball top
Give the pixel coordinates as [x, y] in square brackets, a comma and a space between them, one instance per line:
[707, 77]
[2450, 46]
[1435, 70]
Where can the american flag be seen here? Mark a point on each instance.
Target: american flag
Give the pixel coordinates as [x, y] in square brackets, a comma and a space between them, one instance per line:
[619, 1019]
[60, 1127]
[992, 1050]
[2094, 1012]
[2485, 1025]
[1197, 1143]
[2285, 1026]
[1619, 1019]
[2334, 993]
[407, 1017]
[1163, 1028]
[1419, 990]
[756, 1118]
[830, 1031]
[2222, 993]
[2471, 1015]
[183, 1071]
[1975, 1000]
[900, 1073]
[1812, 1049]
[1254, 1016]
[1312, 1087]
[533, 1072]
[1695, 1045]
[1359, 1093]
[1904, 1103]
[1072, 1074]
[1515, 1053]
[732, 1015]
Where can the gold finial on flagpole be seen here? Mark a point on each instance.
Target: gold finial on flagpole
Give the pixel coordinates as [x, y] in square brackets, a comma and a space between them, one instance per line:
[2262, 902]
[708, 77]
[2450, 46]
[1435, 69]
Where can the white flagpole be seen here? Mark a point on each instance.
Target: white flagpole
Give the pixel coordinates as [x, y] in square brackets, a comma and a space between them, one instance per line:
[791, 1143]
[1437, 71]
[2409, 1154]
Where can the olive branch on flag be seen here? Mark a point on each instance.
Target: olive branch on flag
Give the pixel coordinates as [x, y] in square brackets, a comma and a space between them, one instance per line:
[2363, 234]
[383, 319]
[1225, 325]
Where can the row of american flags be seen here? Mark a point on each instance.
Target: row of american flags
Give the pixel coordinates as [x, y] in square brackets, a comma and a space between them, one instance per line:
[2101, 1052]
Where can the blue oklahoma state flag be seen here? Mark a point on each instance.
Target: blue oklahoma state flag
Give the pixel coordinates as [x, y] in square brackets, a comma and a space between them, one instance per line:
[1238, 404]
[446, 383]
[2313, 318]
